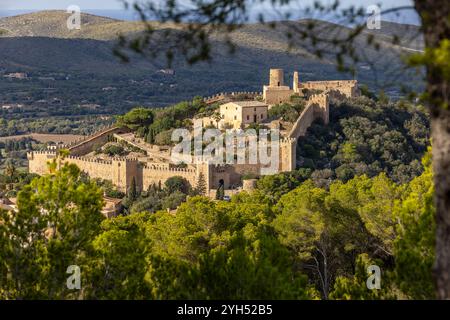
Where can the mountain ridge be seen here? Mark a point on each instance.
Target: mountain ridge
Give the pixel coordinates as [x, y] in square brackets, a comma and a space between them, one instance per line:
[41, 45]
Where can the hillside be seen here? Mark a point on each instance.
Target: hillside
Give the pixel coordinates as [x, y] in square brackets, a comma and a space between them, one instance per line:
[41, 45]
[52, 24]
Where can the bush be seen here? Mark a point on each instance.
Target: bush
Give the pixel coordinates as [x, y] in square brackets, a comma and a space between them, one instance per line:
[114, 150]
[175, 184]
[164, 138]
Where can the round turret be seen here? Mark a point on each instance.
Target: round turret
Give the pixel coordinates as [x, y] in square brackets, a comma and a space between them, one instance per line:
[276, 77]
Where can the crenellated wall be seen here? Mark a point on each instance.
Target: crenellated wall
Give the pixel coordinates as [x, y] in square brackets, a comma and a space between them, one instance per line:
[38, 161]
[119, 170]
[94, 168]
[122, 171]
[336, 88]
[230, 95]
[87, 145]
[159, 173]
[275, 95]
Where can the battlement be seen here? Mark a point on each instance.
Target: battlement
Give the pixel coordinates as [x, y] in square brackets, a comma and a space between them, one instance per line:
[43, 152]
[91, 160]
[167, 168]
[318, 98]
[330, 83]
[220, 168]
[334, 88]
[126, 171]
[288, 140]
[223, 95]
[86, 145]
[123, 159]
[86, 138]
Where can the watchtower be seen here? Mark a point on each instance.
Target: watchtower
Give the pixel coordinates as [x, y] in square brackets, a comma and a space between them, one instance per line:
[276, 78]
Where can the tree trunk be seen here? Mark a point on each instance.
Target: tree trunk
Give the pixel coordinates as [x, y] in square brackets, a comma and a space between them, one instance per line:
[441, 166]
[436, 27]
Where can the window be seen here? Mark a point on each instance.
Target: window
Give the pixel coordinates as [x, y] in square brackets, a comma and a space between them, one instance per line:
[254, 109]
[262, 116]
[235, 117]
[248, 117]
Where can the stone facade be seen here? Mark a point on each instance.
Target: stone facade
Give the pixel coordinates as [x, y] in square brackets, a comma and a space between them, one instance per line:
[238, 114]
[123, 171]
[337, 88]
[276, 92]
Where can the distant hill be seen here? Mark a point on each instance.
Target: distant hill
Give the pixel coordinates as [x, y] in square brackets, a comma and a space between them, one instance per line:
[52, 24]
[41, 44]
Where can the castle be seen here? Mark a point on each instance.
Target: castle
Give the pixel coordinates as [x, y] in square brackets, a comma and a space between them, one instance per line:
[276, 92]
[154, 166]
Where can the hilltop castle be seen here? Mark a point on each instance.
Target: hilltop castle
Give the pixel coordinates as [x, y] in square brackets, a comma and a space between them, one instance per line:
[154, 166]
[276, 92]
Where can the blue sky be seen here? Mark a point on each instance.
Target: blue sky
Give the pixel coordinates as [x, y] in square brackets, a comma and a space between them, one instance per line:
[114, 8]
[116, 4]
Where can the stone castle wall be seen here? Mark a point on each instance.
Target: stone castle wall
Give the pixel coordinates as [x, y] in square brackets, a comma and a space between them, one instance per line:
[38, 161]
[96, 169]
[220, 97]
[303, 122]
[122, 171]
[158, 174]
[87, 145]
[317, 107]
[336, 88]
[275, 95]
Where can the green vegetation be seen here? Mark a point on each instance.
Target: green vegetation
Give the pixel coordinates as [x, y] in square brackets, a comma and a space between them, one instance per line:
[136, 118]
[156, 197]
[367, 137]
[35, 248]
[310, 243]
[33, 123]
[116, 87]
[287, 111]
[114, 150]
[156, 125]
[109, 190]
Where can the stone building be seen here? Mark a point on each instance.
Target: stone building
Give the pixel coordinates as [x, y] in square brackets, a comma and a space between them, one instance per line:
[238, 114]
[144, 172]
[276, 92]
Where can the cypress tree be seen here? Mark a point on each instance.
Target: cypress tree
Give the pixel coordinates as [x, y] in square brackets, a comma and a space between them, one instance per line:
[201, 185]
[132, 192]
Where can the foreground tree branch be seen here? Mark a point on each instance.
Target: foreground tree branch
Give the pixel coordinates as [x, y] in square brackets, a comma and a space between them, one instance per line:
[196, 24]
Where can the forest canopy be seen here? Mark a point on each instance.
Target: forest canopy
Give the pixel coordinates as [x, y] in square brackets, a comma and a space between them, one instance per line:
[309, 243]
